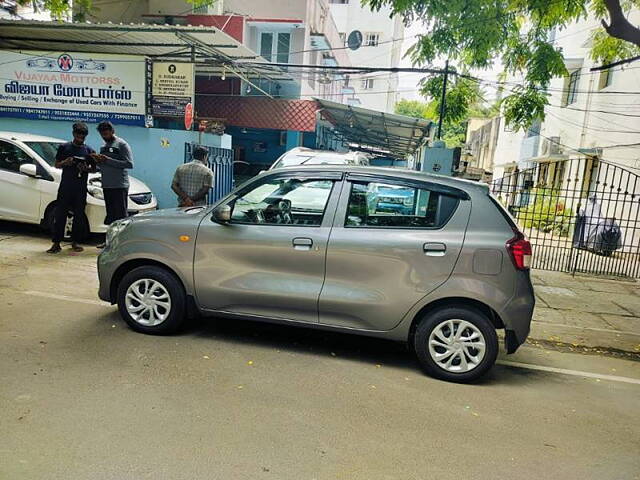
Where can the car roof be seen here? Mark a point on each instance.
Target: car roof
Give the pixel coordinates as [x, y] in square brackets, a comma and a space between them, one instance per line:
[28, 137]
[399, 173]
[315, 153]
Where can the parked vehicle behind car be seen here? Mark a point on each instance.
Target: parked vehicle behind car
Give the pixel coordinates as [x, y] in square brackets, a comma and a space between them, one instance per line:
[29, 184]
[312, 247]
[307, 156]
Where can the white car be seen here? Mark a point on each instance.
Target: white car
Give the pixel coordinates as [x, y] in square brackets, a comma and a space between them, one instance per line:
[29, 185]
[307, 156]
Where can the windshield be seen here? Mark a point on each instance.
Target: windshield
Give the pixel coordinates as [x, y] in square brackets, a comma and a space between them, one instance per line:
[46, 150]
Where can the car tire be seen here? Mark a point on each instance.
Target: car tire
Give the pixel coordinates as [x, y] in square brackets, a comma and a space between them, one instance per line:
[456, 344]
[152, 300]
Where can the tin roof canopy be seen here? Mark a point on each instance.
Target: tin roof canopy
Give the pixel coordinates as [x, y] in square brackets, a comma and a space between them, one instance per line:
[209, 47]
[149, 40]
[376, 131]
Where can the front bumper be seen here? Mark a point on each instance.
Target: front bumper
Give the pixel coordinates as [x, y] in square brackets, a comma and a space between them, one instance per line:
[106, 270]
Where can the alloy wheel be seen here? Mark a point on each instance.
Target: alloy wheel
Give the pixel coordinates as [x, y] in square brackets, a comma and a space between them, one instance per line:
[457, 346]
[148, 302]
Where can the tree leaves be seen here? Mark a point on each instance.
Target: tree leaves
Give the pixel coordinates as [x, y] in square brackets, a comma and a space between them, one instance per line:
[474, 33]
[524, 106]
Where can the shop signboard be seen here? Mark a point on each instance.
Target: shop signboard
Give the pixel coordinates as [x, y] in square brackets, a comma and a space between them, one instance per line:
[73, 86]
[172, 88]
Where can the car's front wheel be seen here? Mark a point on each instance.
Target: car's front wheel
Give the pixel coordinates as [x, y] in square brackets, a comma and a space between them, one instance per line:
[152, 300]
[457, 344]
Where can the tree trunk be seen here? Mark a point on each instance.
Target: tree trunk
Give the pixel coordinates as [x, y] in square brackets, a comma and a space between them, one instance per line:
[619, 26]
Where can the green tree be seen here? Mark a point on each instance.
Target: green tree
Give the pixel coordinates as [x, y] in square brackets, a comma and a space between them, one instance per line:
[474, 33]
[463, 100]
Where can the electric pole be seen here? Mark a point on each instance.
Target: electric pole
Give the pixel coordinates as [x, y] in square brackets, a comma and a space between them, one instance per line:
[443, 100]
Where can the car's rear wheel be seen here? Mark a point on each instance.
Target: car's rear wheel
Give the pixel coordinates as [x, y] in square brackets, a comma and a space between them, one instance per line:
[457, 344]
[152, 300]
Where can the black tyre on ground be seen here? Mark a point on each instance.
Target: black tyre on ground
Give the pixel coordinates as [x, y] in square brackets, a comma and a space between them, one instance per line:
[152, 300]
[457, 344]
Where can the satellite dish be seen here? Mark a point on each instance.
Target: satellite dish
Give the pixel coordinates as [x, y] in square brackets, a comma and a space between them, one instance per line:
[354, 41]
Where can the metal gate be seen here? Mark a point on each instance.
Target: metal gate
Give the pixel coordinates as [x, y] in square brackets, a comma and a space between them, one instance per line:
[221, 162]
[581, 215]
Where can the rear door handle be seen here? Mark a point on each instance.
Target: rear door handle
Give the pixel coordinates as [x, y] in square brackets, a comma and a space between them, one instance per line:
[302, 243]
[434, 249]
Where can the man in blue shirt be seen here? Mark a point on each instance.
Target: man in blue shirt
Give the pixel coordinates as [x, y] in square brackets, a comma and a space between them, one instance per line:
[74, 158]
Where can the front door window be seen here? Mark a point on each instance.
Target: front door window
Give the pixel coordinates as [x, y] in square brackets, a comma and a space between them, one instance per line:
[283, 202]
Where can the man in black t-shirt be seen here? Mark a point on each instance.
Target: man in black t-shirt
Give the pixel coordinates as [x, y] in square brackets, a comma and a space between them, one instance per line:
[74, 158]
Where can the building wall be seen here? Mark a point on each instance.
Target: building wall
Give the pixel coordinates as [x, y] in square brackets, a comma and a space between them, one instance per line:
[607, 122]
[156, 152]
[353, 16]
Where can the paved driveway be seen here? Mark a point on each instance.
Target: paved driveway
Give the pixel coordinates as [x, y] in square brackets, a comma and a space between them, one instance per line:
[84, 397]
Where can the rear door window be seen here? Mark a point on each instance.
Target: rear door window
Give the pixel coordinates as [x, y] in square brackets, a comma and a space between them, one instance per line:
[381, 205]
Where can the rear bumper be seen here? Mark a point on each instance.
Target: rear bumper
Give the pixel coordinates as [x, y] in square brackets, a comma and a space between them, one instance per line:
[517, 314]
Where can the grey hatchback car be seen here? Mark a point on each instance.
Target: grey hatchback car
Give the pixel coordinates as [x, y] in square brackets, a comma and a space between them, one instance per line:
[322, 247]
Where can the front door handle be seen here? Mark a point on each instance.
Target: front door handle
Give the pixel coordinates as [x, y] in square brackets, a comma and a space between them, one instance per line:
[434, 249]
[302, 243]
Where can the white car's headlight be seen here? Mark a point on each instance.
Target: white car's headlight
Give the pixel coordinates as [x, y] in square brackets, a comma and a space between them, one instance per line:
[115, 229]
[96, 192]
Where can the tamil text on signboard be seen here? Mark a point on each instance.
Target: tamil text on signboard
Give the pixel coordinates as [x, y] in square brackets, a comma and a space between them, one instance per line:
[73, 86]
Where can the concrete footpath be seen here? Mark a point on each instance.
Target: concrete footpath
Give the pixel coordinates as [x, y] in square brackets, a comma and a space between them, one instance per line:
[586, 313]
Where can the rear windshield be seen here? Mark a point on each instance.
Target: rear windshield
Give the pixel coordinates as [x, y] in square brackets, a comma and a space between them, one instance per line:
[46, 150]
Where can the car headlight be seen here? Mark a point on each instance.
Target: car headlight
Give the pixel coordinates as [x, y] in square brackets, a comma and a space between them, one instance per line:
[96, 192]
[115, 229]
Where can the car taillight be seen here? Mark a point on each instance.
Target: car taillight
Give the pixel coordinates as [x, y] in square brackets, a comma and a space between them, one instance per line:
[520, 250]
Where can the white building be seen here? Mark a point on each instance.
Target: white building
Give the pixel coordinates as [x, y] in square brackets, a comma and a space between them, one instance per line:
[381, 47]
[583, 157]
[587, 111]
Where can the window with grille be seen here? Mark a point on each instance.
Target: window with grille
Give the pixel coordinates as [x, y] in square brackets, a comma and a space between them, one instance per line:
[372, 39]
[367, 83]
[605, 79]
[275, 46]
[571, 90]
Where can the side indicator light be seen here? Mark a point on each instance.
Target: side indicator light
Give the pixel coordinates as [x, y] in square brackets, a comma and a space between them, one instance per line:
[185, 238]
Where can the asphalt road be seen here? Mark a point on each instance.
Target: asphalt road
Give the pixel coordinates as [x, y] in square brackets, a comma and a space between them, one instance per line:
[83, 397]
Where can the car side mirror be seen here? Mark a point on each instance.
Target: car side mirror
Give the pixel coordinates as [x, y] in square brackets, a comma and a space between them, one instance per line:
[29, 169]
[222, 214]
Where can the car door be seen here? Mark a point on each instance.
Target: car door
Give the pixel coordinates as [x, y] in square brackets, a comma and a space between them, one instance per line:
[19, 193]
[393, 242]
[270, 259]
